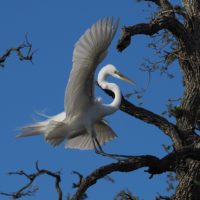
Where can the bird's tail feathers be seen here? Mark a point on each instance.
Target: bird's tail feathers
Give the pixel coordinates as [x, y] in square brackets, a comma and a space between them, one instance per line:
[53, 129]
[56, 132]
[33, 129]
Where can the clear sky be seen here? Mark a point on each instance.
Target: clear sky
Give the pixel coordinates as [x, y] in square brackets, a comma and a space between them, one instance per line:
[53, 27]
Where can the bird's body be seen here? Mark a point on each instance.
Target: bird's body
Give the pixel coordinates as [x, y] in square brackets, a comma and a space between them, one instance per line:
[82, 122]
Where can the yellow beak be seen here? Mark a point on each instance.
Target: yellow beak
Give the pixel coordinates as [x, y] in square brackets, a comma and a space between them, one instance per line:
[124, 78]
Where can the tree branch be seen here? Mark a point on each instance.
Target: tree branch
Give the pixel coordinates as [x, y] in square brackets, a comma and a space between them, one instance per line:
[26, 191]
[125, 195]
[80, 176]
[151, 118]
[24, 46]
[163, 4]
[151, 28]
[165, 19]
[154, 164]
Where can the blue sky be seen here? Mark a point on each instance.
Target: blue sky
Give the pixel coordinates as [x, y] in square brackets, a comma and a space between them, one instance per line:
[53, 27]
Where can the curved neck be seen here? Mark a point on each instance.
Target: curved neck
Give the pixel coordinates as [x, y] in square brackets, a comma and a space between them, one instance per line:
[115, 104]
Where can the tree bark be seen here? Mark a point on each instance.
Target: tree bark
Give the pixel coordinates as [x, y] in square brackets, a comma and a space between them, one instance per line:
[187, 34]
[189, 173]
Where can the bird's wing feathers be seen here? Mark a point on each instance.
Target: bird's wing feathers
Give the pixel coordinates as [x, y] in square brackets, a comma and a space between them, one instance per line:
[89, 51]
[104, 133]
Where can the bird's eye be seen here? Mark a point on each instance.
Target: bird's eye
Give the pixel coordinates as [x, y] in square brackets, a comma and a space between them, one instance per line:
[116, 72]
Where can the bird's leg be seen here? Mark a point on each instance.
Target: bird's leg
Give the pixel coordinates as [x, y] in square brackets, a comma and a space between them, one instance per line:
[97, 146]
[99, 150]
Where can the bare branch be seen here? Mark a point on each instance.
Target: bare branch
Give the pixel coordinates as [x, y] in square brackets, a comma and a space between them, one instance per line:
[154, 164]
[160, 197]
[125, 195]
[149, 117]
[165, 19]
[151, 28]
[26, 190]
[163, 4]
[80, 176]
[26, 45]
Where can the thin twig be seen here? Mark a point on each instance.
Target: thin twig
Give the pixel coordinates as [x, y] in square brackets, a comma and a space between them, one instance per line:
[26, 190]
[28, 55]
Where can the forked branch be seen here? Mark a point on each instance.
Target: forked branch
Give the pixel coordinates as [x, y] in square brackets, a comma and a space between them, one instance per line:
[151, 118]
[163, 4]
[28, 55]
[28, 189]
[154, 164]
[164, 20]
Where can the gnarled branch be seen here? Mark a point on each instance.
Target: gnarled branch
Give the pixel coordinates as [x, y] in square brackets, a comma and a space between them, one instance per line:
[154, 164]
[152, 118]
[25, 45]
[163, 4]
[151, 28]
[26, 191]
[165, 19]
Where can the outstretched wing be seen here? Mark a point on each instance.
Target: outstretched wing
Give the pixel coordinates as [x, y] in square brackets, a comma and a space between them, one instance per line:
[89, 51]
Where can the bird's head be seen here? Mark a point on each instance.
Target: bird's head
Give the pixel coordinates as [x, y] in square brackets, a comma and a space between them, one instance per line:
[112, 71]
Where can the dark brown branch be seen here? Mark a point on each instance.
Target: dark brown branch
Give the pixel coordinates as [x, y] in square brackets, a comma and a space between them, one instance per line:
[166, 6]
[163, 4]
[125, 195]
[26, 191]
[22, 56]
[162, 22]
[154, 164]
[165, 19]
[149, 117]
[80, 176]
[160, 197]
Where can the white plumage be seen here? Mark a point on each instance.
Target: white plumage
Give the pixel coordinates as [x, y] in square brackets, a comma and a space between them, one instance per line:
[82, 122]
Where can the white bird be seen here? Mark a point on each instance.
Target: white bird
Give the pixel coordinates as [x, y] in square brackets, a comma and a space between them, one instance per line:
[82, 124]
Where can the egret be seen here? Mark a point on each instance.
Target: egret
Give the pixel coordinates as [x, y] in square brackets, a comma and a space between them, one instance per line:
[82, 123]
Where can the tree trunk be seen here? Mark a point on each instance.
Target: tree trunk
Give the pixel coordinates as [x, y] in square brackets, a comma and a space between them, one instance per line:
[189, 172]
